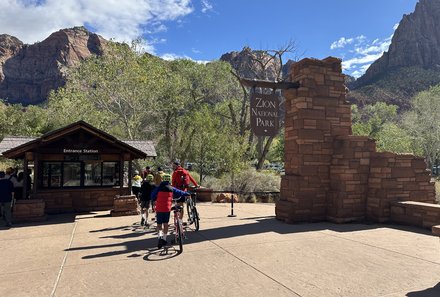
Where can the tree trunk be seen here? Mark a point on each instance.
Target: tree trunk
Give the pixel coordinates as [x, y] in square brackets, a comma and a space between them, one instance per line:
[262, 157]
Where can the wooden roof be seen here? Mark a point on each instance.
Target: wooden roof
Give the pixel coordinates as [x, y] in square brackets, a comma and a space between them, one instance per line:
[10, 142]
[15, 146]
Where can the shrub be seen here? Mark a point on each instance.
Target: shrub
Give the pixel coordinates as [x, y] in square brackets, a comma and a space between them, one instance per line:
[248, 180]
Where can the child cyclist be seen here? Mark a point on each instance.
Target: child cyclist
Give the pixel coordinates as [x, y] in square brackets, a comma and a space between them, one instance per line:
[163, 195]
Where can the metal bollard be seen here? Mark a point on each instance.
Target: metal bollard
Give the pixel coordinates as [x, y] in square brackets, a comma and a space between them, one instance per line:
[232, 206]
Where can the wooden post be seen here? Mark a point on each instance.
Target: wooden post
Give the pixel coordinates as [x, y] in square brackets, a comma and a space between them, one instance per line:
[36, 172]
[130, 173]
[121, 173]
[25, 177]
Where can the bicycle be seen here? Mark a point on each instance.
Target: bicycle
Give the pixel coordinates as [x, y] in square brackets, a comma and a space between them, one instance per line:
[179, 232]
[193, 215]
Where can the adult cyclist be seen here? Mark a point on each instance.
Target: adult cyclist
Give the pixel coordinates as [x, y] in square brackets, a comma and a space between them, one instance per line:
[181, 180]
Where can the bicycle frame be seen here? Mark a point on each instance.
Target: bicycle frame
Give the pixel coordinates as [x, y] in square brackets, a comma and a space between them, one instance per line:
[179, 233]
[191, 209]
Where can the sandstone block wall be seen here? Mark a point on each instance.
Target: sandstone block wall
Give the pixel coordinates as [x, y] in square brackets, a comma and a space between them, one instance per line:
[70, 200]
[124, 206]
[415, 213]
[28, 211]
[395, 177]
[331, 174]
[349, 173]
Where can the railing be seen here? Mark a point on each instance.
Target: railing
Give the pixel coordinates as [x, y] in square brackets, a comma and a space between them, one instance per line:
[244, 193]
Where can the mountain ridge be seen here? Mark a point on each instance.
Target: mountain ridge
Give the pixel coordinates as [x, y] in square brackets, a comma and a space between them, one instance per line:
[29, 72]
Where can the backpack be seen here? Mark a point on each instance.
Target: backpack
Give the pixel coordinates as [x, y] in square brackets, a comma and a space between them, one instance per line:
[182, 180]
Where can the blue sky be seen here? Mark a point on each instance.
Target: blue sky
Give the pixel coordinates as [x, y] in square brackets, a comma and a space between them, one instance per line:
[358, 31]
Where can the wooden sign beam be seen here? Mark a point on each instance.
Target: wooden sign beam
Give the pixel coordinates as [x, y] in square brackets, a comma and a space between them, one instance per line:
[283, 85]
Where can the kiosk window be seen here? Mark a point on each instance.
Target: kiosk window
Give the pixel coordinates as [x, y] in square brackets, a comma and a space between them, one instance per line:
[52, 174]
[92, 173]
[110, 173]
[72, 174]
[88, 173]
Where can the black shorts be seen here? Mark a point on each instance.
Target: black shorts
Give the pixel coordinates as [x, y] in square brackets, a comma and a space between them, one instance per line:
[162, 217]
[145, 203]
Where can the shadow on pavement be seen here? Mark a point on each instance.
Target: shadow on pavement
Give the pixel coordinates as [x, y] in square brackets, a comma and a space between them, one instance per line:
[431, 292]
[50, 220]
[261, 225]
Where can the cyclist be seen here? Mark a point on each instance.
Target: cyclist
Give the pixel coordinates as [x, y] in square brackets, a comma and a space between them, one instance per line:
[163, 195]
[145, 197]
[181, 180]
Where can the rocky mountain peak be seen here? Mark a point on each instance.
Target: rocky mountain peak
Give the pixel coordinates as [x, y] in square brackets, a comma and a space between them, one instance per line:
[29, 72]
[416, 42]
[252, 64]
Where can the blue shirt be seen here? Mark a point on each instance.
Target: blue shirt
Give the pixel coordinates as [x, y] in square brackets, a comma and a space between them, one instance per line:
[176, 192]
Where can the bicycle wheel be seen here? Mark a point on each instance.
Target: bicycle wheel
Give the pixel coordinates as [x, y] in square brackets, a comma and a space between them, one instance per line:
[179, 233]
[195, 218]
[189, 210]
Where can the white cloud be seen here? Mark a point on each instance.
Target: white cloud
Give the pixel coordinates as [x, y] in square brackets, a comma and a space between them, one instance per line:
[172, 57]
[359, 52]
[341, 43]
[35, 20]
[206, 6]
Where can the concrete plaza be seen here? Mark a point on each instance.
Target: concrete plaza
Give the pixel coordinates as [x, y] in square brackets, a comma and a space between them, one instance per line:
[251, 254]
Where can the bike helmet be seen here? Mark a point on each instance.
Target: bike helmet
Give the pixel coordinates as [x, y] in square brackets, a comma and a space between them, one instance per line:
[149, 177]
[166, 177]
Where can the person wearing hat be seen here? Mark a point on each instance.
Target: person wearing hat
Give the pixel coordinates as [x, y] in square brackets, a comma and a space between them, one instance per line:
[136, 181]
[145, 198]
[163, 195]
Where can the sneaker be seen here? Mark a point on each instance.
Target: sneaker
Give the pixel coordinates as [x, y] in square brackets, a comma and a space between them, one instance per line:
[142, 221]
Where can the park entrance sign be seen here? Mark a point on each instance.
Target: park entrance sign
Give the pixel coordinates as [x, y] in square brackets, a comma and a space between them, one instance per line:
[264, 114]
[265, 107]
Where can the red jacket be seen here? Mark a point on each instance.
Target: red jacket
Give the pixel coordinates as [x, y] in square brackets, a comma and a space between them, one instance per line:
[177, 176]
[164, 198]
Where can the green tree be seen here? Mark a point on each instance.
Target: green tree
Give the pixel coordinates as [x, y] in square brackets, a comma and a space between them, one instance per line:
[23, 121]
[192, 86]
[422, 123]
[393, 138]
[116, 92]
[370, 120]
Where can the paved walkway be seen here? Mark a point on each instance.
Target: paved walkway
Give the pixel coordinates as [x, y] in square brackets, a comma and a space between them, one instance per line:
[249, 255]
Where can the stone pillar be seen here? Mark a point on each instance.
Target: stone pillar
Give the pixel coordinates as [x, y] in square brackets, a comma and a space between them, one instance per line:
[316, 113]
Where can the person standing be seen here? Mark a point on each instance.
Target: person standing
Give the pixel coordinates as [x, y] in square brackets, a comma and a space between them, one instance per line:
[145, 197]
[136, 182]
[6, 198]
[146, 172]
[158, 177]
